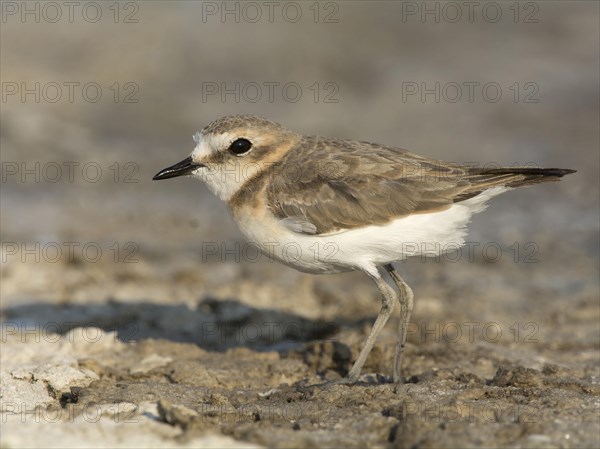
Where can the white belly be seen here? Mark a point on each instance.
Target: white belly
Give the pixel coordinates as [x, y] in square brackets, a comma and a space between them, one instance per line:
[365, 248]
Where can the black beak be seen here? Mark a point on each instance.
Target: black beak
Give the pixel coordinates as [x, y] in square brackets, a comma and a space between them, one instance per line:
[185, 167]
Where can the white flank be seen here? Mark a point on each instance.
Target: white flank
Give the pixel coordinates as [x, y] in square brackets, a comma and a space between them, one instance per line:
[366, 248]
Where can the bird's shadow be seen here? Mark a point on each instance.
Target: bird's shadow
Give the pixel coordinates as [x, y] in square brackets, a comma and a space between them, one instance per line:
[213, 324]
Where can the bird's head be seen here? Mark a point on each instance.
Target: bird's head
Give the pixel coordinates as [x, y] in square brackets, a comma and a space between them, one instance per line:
[232, 150]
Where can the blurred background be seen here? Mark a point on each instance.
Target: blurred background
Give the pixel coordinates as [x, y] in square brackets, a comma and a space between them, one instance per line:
[98, 97]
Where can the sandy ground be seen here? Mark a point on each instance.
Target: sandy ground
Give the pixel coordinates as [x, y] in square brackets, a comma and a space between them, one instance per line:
[134, 314]
[494, 359]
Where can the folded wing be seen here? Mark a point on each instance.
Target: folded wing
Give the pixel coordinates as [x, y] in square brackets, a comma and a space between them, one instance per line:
[331, 185]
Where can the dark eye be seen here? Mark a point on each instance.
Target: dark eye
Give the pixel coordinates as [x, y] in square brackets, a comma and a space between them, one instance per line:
[240, 146]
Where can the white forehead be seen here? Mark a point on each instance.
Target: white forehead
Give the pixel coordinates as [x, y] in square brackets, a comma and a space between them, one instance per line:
[209, 144]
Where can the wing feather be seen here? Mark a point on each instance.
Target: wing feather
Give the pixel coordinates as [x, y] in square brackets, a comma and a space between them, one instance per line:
[329, 185]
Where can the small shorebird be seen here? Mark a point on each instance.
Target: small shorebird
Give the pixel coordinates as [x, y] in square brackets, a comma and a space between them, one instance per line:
[326, 205]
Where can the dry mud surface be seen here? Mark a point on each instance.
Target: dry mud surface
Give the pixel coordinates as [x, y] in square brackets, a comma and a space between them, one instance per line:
[177, 335]
[220, 372]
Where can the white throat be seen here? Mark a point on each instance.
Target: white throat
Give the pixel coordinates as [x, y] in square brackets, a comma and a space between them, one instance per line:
[226, 178]
[223, 181]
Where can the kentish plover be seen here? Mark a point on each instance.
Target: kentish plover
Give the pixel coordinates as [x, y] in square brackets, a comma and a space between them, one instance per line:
[327, 205]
